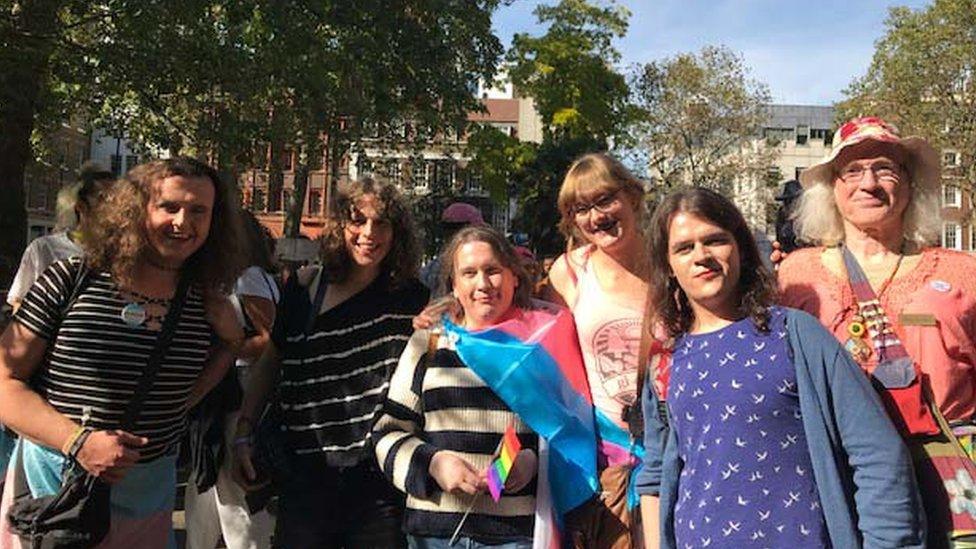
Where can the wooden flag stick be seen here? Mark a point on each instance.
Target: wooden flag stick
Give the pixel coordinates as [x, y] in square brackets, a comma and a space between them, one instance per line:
[467, 512]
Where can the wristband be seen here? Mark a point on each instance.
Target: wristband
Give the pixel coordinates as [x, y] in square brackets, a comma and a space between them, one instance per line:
[78, 443]
[71, 440]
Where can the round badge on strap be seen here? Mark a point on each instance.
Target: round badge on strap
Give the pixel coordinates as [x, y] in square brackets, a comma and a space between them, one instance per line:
[133, 314]
[940, 286]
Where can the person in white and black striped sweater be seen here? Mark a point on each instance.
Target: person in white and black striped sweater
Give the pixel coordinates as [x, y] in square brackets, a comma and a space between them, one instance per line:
[441, 425]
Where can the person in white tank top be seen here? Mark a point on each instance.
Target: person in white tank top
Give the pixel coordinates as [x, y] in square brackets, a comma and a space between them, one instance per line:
[602, 279]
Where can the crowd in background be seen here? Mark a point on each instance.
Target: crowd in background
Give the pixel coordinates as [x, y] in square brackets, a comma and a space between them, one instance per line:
[826, 403]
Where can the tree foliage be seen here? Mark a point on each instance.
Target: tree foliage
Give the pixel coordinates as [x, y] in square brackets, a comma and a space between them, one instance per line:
[923, 79]
[569, 70]
[539, 181]
[223, 79]
[497, 158]
[583, 102]
[699, 115]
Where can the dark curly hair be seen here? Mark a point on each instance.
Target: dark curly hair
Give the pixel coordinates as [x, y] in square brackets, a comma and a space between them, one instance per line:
[401, 262]
[116, 239]
[667, 304]
[502, 249]
[260, 243]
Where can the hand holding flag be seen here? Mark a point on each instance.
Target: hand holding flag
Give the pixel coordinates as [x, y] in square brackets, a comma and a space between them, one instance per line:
[501, 467]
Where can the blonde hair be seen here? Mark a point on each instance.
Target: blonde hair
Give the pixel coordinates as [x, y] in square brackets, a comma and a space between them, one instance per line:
[66, 219]
[592, 174]
[817, 220]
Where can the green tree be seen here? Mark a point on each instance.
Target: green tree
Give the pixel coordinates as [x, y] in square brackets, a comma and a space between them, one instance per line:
[29, 31]
[222, 79]
[497, 158]
[538, 183]
[569, 70]
[923, 79]
[583, 102]
[699, 115]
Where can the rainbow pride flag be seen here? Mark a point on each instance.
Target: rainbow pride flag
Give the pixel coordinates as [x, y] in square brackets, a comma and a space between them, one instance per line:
[499, 469]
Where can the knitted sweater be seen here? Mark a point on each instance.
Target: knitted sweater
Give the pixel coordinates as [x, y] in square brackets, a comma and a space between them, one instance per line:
[437, 403]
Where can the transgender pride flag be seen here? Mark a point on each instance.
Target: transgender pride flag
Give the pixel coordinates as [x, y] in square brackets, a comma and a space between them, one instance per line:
[533, 363]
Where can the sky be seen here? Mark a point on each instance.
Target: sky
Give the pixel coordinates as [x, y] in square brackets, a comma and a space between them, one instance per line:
[806, 52]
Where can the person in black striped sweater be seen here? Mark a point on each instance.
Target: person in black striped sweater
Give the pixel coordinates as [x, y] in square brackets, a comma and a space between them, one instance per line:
[441, 425]
[332, 376]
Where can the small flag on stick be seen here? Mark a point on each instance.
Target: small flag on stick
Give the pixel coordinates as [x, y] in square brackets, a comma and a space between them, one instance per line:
[500, 468]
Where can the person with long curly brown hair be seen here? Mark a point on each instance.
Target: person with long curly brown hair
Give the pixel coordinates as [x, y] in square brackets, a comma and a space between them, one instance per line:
[334, 346]
[163, 238]
[769, 432]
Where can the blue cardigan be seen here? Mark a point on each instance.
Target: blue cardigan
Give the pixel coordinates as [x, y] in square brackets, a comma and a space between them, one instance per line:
[863, 469]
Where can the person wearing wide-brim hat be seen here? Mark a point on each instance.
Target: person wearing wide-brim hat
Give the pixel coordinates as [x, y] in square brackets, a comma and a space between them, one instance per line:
[871, 207]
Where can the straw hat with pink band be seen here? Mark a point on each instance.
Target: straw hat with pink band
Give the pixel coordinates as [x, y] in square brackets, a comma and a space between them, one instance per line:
[923, 161]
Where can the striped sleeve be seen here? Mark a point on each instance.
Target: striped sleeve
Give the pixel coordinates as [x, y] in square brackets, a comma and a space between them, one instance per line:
[403, 455]
[43, 306]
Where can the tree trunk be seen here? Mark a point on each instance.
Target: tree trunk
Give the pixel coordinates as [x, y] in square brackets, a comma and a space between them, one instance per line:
[293, 217]
[26, 44]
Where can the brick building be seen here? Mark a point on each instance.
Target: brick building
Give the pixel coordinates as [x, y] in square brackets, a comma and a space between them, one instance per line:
[68, 148]
[440, 165]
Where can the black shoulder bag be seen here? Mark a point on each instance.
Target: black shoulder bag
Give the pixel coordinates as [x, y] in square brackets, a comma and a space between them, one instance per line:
[78, 516]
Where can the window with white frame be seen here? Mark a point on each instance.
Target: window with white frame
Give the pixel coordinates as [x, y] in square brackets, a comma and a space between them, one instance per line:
[420, 174]
[951, 236]
[950, 159]
[972, 237]
[951, 196]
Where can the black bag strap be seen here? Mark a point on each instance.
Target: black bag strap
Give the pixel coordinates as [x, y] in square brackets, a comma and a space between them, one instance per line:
[82, 274]
[166, 333]
[81, 280]
[20, 480]
[316, 305]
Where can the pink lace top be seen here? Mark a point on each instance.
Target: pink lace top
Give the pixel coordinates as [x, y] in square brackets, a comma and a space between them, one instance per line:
[933, 308]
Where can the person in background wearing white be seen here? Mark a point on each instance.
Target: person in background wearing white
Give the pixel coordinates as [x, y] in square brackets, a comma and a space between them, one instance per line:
[74, 203]
[223, 510]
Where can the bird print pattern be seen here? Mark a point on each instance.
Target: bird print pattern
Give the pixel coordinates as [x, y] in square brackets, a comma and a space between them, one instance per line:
[746, 478]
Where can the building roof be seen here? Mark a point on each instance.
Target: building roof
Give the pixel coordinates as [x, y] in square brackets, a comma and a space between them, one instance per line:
[499, 110]
[791, 116]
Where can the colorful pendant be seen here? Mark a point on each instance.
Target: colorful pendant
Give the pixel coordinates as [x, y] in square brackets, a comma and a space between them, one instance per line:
[133, 314]
[856, 327]
[858, 349]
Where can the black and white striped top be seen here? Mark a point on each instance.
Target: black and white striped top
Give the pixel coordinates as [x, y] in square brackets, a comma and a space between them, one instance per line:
[333, 385]
[437, 403]
[95, 360]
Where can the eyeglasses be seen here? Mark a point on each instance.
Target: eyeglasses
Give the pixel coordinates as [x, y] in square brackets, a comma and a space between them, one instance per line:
[882, 171]
[603, 204]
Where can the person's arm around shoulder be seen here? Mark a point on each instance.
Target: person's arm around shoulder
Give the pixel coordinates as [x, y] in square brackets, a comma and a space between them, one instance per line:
[888, 505]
